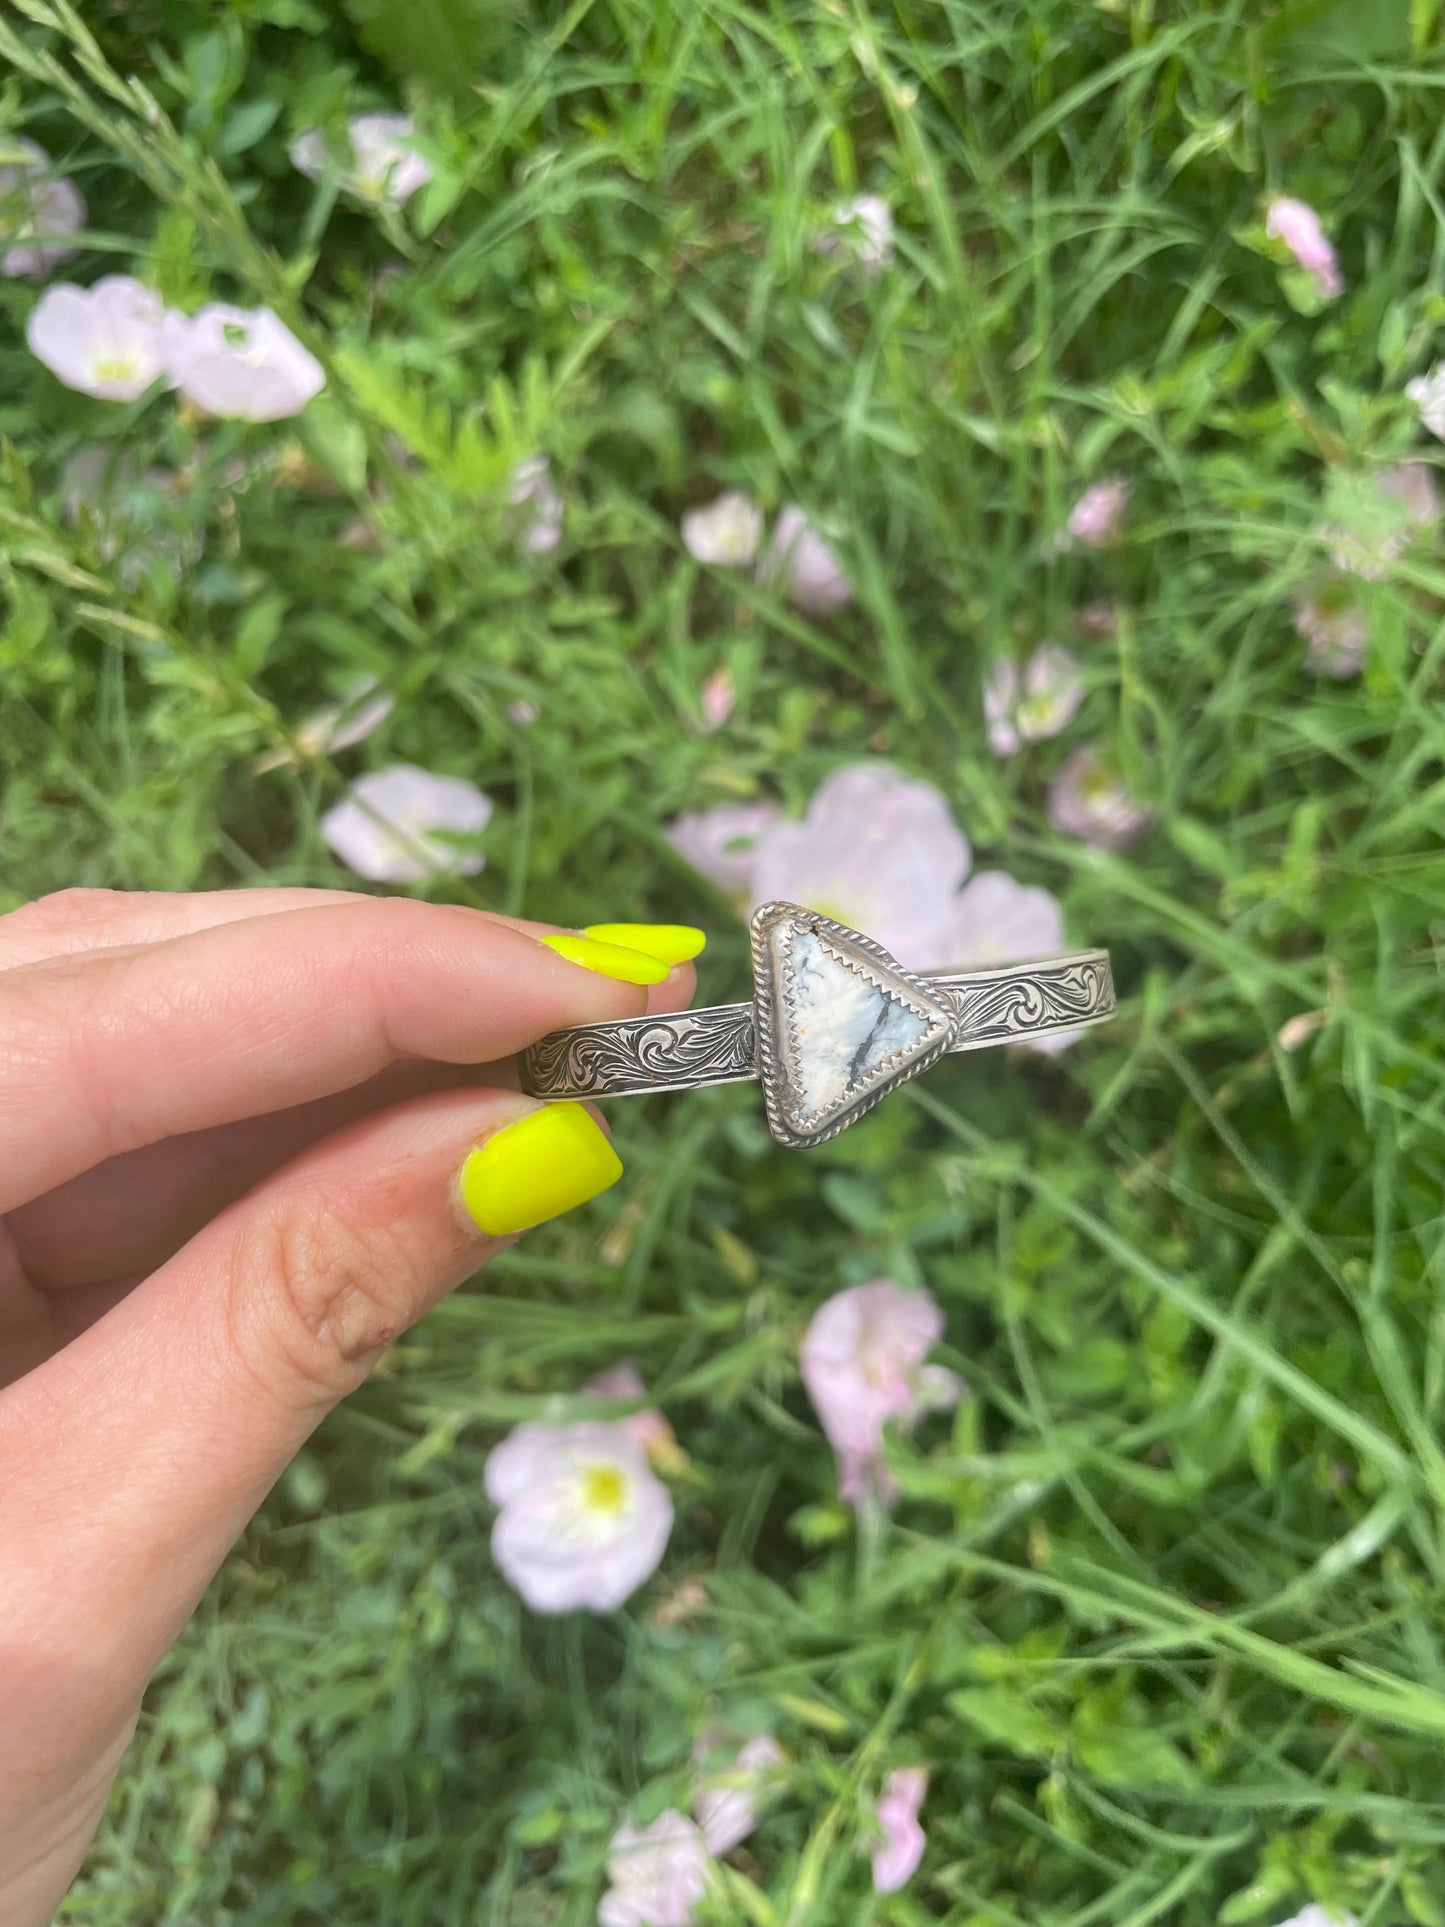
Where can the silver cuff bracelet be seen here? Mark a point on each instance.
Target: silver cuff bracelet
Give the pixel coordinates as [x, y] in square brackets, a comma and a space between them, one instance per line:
[835, 1025]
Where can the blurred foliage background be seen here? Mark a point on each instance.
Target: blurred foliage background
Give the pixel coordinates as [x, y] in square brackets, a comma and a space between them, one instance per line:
[1163, 1608]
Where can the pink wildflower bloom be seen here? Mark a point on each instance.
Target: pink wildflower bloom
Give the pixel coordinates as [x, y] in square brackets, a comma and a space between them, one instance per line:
[39, 211]
[1088, 801]
[896, 1861]
[582, 1520]
[1298, 225]
[1097, 519]
[799, 562]
[719, 697]
[657, 1874]
[721, 844]
[1028, 706]
[877, 851]
[862, 1361]
[730, 1780]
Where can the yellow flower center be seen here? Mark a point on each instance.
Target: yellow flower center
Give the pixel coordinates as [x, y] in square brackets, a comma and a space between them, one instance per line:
[604, 1489]
[116, 368]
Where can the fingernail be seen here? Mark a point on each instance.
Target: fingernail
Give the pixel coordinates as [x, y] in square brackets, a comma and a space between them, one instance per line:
[608, 959]
[539, 1167]
[670, 943]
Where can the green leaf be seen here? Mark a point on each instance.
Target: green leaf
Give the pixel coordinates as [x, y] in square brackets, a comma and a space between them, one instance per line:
[1005, 1716]
[445, 42]
[1358, 29]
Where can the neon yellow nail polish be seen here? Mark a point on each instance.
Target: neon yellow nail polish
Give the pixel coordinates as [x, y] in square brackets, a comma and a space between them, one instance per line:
[670, 943]
[608, 959]
[544, 1164]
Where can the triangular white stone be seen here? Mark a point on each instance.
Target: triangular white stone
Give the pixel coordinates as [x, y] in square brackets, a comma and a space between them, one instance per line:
[843, 1029]
[847, 1024]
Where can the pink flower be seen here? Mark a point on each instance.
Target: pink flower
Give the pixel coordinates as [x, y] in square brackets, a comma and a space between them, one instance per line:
[862, 1361]
[648, 1427]
[877, 851]
[896, 1861]
[1298, 226]
[1039, 703]
[241, 364]
[727, 532]
[799, 561]
[719, 697]
[1338, 636]
[392, 823]
[106, 340]
[383, 166]
[721, 844]
[730, 1780]
[39, 211]
[657, 1874]
[1088, 801]
[1097, 519]
[998, 920]
[582, 1519]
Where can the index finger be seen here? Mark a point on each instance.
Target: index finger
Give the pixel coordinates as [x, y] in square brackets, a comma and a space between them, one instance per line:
[105, 1052]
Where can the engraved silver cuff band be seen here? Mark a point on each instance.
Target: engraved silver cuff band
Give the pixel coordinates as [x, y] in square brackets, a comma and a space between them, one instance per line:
[835, 1025]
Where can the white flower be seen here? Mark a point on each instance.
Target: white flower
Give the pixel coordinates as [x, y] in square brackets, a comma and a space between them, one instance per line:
[721, 844]
[1428, 394]
[1087, 800]
[242, 364]
[658, 1874]
[534, 491]
[1298, 225]
[730, 1779]
[391, 825]
[876, 851]
[1028, 708]
[106, 340]
[864, 229]
[800, 562]
[1337, 633]
[862, 1361]
[727, 533]
[1316, 1916]
[384, 166]
[38, 211]
[522, 713]
[582, 1521]
[896, 1860]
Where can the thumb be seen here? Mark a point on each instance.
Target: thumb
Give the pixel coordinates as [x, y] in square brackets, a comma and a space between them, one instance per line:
[135, 1456]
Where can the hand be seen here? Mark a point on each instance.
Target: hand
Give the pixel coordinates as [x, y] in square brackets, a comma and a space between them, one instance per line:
[236, 1136]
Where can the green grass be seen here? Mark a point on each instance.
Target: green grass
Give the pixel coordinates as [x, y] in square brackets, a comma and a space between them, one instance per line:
[1166, 1610]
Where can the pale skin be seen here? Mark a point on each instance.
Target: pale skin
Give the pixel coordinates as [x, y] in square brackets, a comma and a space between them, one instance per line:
[230, 1132]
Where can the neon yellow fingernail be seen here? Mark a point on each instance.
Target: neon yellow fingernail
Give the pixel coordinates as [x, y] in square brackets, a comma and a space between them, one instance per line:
[608, 959]
[544, 1164]
[670, 943]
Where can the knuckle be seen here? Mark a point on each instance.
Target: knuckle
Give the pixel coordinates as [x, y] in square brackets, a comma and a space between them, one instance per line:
[319, 1296]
